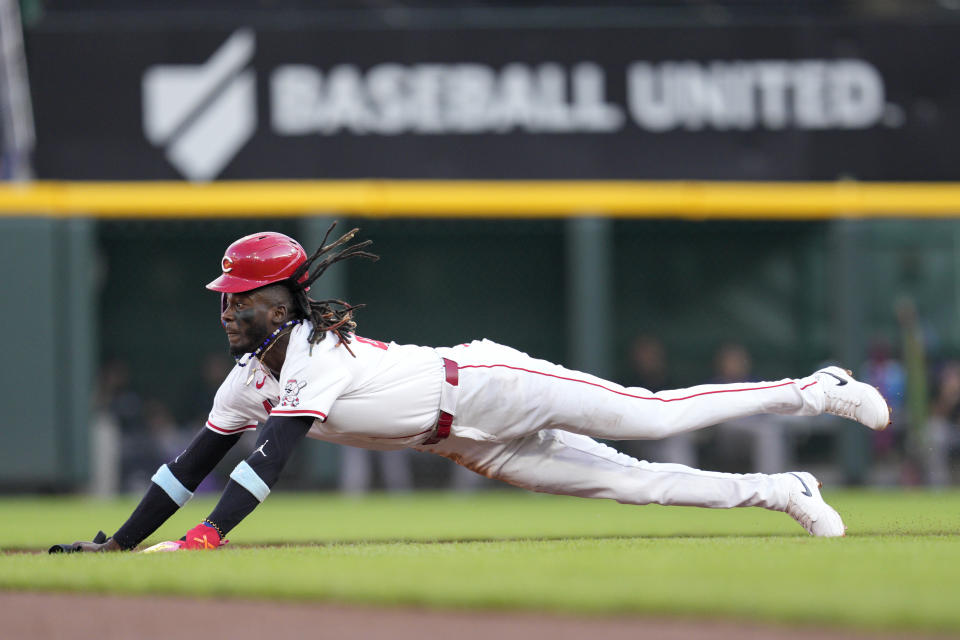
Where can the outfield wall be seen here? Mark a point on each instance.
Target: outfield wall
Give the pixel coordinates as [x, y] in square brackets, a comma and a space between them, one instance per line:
[558, 179]
[577, 290]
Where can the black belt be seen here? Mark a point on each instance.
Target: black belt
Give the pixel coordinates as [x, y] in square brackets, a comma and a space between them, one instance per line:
[445, 420]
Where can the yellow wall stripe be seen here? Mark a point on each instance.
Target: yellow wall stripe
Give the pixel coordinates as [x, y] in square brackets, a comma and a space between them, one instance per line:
[449, 199]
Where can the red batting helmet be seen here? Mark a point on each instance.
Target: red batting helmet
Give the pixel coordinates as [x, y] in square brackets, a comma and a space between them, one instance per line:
[258, 260]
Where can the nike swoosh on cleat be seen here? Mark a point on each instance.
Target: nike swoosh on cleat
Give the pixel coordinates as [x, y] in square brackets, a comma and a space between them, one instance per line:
[840, 381]
[806, 489]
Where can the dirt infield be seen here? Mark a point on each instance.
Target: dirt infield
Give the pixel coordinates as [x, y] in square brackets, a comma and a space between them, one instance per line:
[38, 616]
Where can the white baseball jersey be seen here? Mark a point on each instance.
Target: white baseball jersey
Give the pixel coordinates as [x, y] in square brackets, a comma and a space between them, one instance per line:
[386, 397]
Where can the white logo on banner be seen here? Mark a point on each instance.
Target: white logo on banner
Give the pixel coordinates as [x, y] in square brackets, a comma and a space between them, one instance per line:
[761, 94]
[392, 99]
[203, 114]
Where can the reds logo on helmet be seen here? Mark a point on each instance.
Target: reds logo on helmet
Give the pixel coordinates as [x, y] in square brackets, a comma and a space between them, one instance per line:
[258, 260]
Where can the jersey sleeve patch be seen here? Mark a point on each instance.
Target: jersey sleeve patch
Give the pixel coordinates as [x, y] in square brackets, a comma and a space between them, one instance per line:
[310, 385]
[291, 393]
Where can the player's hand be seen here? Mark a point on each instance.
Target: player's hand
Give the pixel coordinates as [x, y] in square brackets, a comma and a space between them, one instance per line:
[99, 544]
[94, 547]
[201, 537]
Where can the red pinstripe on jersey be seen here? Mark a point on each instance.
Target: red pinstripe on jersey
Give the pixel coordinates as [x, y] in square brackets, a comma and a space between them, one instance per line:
[228, 431]
[299, 412]
[624, 393]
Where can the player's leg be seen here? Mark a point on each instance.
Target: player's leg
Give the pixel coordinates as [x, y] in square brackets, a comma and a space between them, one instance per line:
[509, 394]
[563, 463]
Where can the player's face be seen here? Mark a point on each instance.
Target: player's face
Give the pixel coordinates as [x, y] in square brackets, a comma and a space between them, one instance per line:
[246, 321]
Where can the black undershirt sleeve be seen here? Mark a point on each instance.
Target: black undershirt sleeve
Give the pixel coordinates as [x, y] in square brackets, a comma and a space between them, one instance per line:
[190, 468]
[276, 443]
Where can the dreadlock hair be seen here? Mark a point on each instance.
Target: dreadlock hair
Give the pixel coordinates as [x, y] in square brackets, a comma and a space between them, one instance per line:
[332, 314]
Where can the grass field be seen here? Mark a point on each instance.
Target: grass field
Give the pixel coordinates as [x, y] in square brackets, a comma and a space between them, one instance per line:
[896, 569]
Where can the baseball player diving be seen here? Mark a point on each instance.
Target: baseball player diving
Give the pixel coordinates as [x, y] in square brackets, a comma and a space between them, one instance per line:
[303, 371]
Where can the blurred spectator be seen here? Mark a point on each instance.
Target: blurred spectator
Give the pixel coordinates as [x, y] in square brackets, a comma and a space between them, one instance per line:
[648, 359]
[104, 454]
[766, 434]
[356, 470]
[884, 371]
[167, 439]
[119, 431]
[130, 437]
[650, 371]
[156, 439]
[114, 394]
[199, 397]
[105, 438]
[943, 426]
[732, 363]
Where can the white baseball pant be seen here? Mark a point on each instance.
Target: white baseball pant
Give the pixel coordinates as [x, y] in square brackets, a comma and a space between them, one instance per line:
[527, 421]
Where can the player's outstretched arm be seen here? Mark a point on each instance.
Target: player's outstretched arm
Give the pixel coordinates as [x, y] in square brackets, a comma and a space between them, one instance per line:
[249, 485]
[170, 488]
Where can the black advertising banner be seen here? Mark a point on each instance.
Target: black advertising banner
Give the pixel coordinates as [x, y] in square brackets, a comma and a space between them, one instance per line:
[864, 101]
